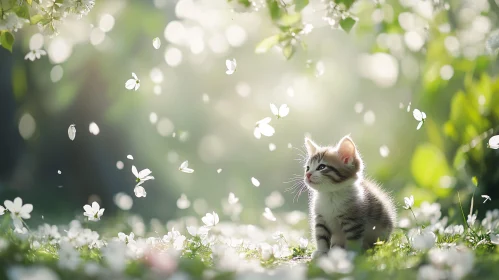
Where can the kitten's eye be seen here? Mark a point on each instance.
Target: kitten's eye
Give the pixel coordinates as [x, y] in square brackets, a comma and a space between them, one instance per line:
[321, 167]
[308, 168]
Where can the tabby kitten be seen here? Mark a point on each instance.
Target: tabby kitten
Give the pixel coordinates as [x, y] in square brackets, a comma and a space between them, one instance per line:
[346, 209]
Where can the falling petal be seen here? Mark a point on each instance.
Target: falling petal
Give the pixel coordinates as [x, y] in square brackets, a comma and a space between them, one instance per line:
[417, 115]
[129, 157]
[494, 142]
[93, 128]
[255, 182]
[156, 43]
[419, 125]
[72, 132]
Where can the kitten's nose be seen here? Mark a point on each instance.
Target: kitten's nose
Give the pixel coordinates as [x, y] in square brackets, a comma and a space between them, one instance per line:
[308, 175]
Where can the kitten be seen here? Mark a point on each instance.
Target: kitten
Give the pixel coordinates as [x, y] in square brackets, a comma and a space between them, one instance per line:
[346, 209]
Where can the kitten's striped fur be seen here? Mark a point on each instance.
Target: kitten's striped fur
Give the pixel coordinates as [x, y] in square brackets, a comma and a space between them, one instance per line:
[346, 209]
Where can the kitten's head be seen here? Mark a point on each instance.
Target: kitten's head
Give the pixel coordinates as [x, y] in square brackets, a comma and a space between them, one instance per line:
[332, 168]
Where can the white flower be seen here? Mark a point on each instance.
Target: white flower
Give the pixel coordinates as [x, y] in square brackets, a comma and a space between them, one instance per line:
[263, 127]
[156, 43]
[471, 219]
[17, 209]
[72, 132]
[210, 219]
[133, 83]
[93, 212]
[143, 175]
[494, 238]
[69, 257]
[139, 191]
[409, 202]
[494, 142]
[2, 210]
[337, 261]
[255, 182]
[184, 167]
[232, 198]
[486, 198]
[201, 231]
[175, 238]
[231, 66]
[34, 54]
[269, 215]
[303, 243]
[281, 112]
[114, 255]
[423, 239]
[420, 117]
[126, 238]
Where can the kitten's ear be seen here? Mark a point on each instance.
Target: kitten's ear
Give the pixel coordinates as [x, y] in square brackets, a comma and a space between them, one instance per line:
[311, 146]
[347, 150]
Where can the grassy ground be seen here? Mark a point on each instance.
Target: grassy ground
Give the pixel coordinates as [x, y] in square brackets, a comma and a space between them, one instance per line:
[425, 246]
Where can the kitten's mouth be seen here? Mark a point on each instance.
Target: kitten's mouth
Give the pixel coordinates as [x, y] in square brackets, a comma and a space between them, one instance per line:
[308, 180]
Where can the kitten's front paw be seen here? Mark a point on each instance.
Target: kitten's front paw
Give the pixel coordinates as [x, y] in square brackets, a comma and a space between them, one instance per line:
[317, 254]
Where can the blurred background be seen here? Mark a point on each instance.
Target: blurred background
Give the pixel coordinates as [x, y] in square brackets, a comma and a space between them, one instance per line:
[436, 56]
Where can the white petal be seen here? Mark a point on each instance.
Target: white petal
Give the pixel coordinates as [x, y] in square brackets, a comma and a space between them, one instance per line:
[283, 110]
[129, 157]
[264, 121]
[134, 171]
[267, 130]
[229, 72]
[144, 173]
[192, 231]
[95, 206]
[184, 164]
[274, 109]
[137, 85]
[423, 115]
[187, 170]
[494, 142]
[255, 182]
[130, 84]
[18, 204]
[156, 43]
[72, 132]
[87, 208]
[134, 76]
[140, 191]
[417, 114]
[9, 205]
[419, 125]
[256, 133]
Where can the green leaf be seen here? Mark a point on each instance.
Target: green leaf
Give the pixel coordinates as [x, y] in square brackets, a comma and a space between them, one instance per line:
[300, 4]
[22, 11]
[289, 19]
[267, 43]
[7, 40]
[274, 9]
[347, 24]
[288, 51]
[36, 19]
[347, 3]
